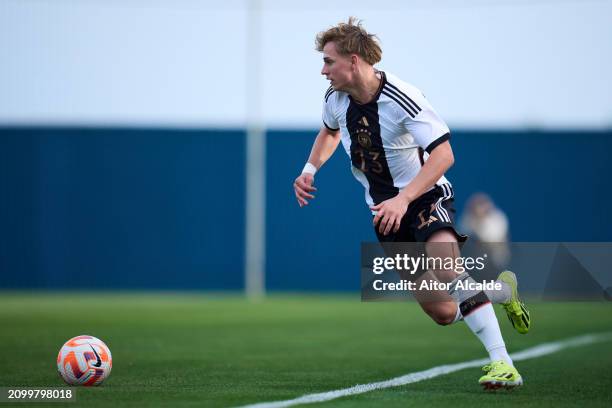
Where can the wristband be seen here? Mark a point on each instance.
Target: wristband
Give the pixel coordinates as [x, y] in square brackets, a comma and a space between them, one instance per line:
[310, 169]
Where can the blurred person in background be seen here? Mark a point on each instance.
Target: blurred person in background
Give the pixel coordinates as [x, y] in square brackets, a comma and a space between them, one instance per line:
[488, 225]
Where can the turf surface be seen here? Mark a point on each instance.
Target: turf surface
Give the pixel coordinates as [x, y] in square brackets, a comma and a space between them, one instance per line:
[178, 350]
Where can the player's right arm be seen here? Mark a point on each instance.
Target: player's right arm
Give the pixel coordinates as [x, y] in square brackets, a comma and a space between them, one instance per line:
[324, 146]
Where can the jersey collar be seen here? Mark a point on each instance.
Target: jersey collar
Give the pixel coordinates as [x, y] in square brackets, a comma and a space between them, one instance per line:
[383, 81]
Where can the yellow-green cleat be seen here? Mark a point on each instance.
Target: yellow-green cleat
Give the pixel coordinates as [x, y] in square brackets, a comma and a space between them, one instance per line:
[515, 309]
[500, 374]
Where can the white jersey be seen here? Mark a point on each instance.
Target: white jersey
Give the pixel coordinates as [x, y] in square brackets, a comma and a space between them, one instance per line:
[388, 139]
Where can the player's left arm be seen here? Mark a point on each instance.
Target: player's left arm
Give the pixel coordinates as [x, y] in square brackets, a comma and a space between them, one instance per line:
[440, 160]
[390, 212]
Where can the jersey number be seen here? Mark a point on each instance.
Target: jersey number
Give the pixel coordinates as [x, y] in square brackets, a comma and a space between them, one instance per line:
[368, 161]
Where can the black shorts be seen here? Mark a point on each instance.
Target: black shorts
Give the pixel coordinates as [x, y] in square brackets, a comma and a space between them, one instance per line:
[427, 214]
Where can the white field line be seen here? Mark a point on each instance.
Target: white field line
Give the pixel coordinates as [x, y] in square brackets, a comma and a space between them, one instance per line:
[533, 352]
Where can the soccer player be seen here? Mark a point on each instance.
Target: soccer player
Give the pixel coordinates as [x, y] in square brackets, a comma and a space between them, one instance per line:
[399, 149]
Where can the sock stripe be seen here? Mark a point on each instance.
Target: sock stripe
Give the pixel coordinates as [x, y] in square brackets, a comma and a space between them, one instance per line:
[471, 304]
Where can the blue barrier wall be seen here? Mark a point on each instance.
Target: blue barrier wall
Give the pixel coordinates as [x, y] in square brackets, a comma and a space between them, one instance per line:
[109, 208]
[119, 208]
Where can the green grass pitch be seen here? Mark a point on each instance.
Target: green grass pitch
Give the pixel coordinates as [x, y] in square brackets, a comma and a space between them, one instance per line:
[179, 350]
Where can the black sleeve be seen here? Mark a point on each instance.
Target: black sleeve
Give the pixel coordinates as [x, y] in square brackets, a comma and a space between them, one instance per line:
[437, 142]
[330, 128]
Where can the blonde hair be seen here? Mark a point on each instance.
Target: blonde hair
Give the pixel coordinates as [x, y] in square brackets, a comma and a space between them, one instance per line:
[351, 38]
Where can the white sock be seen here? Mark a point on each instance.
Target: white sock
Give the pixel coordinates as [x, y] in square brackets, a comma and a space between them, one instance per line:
[458, 315]
[500, 296]
[484, 325]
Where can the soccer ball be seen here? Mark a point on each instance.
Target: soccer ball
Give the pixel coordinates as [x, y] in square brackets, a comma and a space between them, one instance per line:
[84, 360]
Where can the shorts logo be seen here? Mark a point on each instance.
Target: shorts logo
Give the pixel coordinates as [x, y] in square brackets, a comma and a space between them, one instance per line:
[363, 137]
[424, 222]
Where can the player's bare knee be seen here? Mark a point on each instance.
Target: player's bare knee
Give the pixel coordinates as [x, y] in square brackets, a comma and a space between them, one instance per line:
[443, 314]
[442, 319]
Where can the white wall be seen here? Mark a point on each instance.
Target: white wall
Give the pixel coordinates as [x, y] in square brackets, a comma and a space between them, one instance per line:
[152, 62]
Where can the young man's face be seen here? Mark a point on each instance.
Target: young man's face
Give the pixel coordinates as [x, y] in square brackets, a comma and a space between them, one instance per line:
[336, 68]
